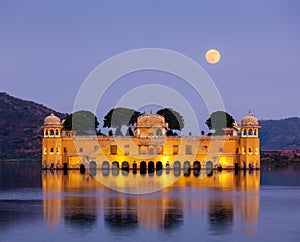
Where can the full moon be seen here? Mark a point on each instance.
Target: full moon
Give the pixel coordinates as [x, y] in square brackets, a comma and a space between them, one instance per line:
[212, 56]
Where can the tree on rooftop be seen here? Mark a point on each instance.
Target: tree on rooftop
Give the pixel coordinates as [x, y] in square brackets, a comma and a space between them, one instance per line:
[174, 119]
[81, 122]
[218, 121]
[118, 117]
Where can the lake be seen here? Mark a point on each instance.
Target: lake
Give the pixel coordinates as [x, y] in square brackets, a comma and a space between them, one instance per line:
[46, 206]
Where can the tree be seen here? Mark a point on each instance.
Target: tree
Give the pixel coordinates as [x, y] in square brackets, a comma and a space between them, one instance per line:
[173, 118]
[129, 132]
[117, 117]
[218, 121]
[81, 122]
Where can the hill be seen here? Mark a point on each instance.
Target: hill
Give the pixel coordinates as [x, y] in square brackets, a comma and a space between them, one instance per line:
[21, 133]
[283, 134]
[20, 127]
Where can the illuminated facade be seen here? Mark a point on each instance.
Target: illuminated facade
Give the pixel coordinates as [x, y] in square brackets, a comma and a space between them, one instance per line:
[151, 149]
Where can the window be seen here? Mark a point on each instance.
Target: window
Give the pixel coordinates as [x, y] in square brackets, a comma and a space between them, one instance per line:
[175, 149]
[249, 150]
[51, 132]
[57, 150]
[65, 150]
[113, 149]
[255, 132]
[245, 132]
[151, 150]
[56, 132]
[158, 132]
[142, 150]
[51, 150]
[159, 149]
[45, 150]
[250, 132]
[150, 134]
[126, 149]
[237, 151]
[80, 150]
[46, 133]
[188, 149]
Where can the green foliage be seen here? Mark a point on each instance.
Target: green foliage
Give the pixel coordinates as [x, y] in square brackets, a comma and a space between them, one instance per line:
[218, 121]
[173, 118]
[117, 117]
[129, 132]
[82, 122]
[171, 133]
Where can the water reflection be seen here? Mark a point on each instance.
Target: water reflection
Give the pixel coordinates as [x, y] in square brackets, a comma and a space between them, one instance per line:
[80, 201]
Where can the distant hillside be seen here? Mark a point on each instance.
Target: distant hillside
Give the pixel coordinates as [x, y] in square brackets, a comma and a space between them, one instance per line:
[283, 134]
[21, 133]
[20, 127]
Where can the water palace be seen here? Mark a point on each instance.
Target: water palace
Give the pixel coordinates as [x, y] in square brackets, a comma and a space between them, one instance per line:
[150, 149]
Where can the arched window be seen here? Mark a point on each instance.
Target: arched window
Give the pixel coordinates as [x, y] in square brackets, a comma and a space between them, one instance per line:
[245, 132]
[250, 132]
[46, 133]
[255, 132]
[56, 132]
[51, 132]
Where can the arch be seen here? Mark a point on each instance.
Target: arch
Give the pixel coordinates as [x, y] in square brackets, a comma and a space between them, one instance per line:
[125, 166]
[143, 167]
[115, 165]
[255, 132]
[92, 165]
[250, 132]
[115, 171]
[167, 167]
[159, 166]
[177, 165]
[158, 132]
[150, 167]
[56, 132]
[197, 165]
[105, 172]
[46, 132]
[245, 132]
[105, 165]
[51, 132]
[82, 169]
[134, 167]
[177, 168]
[209, 165]
[186, 166]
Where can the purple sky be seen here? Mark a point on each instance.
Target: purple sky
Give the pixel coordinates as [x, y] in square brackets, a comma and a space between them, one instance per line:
[48, 48]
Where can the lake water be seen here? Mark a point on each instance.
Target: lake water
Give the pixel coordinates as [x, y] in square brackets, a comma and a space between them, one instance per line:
[224, 206]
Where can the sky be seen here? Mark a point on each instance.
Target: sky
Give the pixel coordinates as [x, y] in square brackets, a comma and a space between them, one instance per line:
[48, 48]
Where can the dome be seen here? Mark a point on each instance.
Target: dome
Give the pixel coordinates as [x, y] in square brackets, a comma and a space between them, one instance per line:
[151, 119]
[250, 120]
[52, 120]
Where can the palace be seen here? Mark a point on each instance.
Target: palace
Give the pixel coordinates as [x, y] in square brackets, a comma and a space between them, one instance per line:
[150, 149]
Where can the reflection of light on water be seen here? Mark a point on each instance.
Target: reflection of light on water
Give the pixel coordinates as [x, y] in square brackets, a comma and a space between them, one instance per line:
[227, 199]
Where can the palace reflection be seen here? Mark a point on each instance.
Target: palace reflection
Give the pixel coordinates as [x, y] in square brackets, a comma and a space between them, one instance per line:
[222, 198]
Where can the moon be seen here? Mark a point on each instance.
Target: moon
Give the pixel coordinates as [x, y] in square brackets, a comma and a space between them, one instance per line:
[212, 56]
